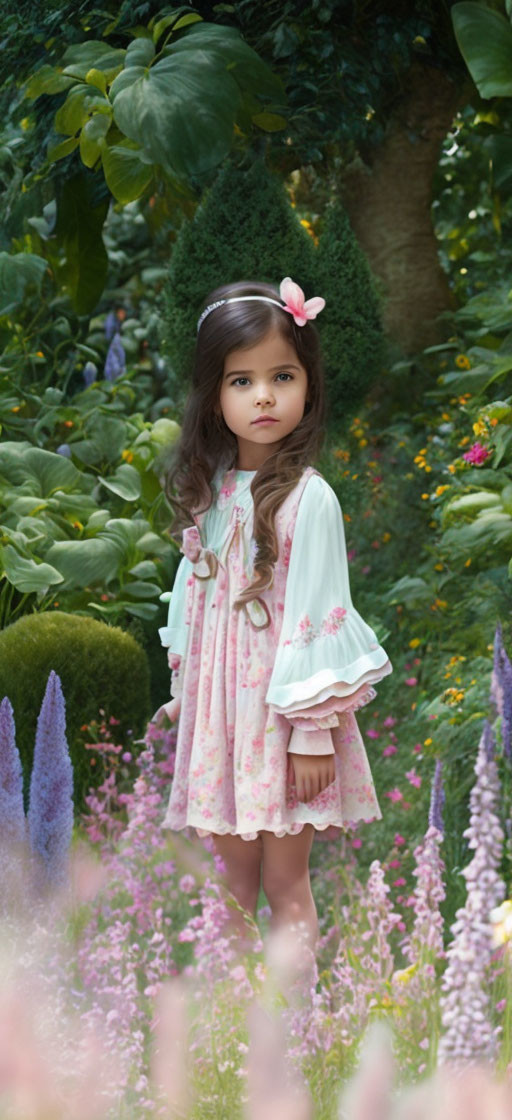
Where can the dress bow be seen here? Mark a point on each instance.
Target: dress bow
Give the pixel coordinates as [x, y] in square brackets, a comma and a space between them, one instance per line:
[204, 560]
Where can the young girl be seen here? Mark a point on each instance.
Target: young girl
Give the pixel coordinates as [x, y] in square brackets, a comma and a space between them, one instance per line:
[269, 657]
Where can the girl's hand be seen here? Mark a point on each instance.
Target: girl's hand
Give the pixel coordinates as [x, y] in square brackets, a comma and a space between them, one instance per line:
[312, 773]
[171, 709]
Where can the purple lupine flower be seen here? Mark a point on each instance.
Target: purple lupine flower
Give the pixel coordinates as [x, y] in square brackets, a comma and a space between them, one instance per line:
[12, 814]
[115, 361]
[90, 373]
[501, 690]
[64, 449]
[381, 917]
[50, 814]
[469, 1036]
[427, 933]
[437, 799]
[111, 325]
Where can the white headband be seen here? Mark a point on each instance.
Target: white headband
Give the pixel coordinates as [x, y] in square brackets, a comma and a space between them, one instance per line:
[294, 302]
[234, 299]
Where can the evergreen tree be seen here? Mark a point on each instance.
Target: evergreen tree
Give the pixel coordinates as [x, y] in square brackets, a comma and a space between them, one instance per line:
[244, 229]
[351, 334]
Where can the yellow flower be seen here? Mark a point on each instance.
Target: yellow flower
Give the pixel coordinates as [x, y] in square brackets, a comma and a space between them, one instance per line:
[501, 919]
[462, 361]
[414, 642]
[403, 975]
[16, 408]
[441, 489]
[127, 456]
[427, 742]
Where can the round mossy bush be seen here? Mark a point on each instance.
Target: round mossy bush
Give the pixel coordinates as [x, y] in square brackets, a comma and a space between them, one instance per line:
[99, 666]
[244, 229]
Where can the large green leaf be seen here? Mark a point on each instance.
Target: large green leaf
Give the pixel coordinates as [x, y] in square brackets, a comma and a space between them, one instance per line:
[182, 108]
[45, 80]
[79, 58]
[78, 229]
[125, 482]
[24, 573]
[45, 471]
[86, 562]
[484, 37]
[125, 173]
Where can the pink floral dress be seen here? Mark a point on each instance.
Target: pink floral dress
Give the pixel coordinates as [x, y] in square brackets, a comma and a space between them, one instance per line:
[282, 676]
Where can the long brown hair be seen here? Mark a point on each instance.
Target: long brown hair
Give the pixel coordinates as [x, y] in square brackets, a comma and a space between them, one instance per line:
[206, 443]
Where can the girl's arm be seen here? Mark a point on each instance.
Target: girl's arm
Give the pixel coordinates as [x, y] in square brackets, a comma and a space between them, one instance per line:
[328, 657]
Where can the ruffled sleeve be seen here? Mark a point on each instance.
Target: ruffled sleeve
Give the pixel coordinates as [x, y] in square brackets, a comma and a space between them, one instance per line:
[174, 635]
[328, 658]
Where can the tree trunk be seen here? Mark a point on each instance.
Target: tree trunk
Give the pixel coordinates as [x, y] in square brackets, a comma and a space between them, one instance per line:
[388, 199]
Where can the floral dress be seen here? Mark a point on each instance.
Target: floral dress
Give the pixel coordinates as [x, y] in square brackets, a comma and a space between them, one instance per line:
[283, 675]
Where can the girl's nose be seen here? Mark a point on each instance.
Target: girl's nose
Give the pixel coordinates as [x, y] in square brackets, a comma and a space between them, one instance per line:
[263, 395]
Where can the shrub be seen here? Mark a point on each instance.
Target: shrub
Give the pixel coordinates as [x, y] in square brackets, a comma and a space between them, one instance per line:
[99, 666]
[244, 229]
[352, 338]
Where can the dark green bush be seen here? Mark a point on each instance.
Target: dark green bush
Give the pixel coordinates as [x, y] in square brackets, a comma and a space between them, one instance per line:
[352, 339]
[244, 229]
[99, 666]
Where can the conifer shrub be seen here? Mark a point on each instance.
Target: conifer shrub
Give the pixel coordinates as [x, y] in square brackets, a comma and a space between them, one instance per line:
[351, 333]
[244, 229]
[99, 666]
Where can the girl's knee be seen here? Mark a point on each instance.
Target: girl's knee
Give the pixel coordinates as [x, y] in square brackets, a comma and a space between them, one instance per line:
[280, 887]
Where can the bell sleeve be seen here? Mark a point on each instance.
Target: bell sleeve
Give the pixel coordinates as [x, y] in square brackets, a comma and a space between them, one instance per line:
[174, 636]
[328, 658]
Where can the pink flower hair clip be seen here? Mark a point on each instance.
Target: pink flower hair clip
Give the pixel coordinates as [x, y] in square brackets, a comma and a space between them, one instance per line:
[294, 302]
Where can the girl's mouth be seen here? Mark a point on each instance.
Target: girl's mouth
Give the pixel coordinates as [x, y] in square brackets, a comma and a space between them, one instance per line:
[265, 420]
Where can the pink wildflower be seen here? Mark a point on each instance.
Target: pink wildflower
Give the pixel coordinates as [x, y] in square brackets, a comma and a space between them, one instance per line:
[477, 454]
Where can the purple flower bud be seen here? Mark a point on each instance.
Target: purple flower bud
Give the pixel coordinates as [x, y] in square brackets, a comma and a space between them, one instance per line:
[50, 814]
[64, 449]
[111, 326]
[501, 690]
[115, 361]
[12, 814]
[90, 373]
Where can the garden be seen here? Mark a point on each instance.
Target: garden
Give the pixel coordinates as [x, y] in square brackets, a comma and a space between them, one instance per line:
[148, 154]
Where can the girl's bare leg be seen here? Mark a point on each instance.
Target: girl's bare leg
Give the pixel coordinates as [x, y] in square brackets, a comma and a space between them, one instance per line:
[243, 875]
[286, 881]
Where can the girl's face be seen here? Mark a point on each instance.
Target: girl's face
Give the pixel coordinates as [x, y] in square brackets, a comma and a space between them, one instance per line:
[263, 380]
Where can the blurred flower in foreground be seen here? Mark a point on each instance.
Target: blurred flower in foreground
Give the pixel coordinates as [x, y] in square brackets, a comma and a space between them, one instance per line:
[469, 1035]
[501, 918]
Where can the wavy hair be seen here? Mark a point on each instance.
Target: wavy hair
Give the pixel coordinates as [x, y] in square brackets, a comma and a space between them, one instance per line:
[206, 443]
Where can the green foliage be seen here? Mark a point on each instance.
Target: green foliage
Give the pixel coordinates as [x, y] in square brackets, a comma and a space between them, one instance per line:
[352, 339]
[59, 536]
[472, 208]
[244, 229]
[345, 67]
[485, 40]
[97, 665]
[169, 104]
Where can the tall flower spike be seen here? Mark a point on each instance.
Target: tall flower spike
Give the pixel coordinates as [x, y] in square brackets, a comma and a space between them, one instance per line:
[294, 302]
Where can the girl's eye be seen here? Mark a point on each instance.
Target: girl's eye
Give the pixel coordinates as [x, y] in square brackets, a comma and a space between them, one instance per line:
[283, 374]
